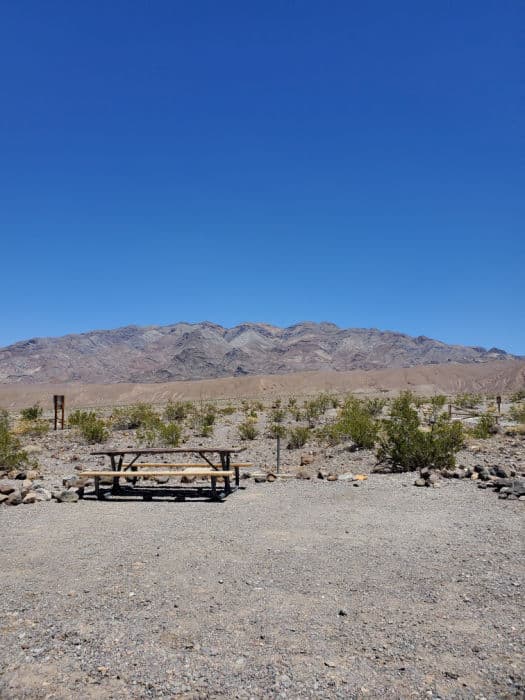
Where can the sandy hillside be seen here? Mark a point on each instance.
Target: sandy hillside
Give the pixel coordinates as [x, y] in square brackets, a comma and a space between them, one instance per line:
[491, 377]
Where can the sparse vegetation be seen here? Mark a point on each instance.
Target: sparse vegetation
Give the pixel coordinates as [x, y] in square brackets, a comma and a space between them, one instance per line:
[355, 422]
[90, 426]
[485, 427]
[518, 396]
[248, 429]
[406, 447]
[12, 455]
[517, 412]
[32, 413]
[34, 428]
[468, 400]
[298, 437]
[177, 410]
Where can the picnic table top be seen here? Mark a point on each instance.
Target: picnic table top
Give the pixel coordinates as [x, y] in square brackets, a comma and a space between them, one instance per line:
[168, 450]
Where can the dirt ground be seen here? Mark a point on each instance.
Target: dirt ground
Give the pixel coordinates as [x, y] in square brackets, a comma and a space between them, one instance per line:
[292, 589]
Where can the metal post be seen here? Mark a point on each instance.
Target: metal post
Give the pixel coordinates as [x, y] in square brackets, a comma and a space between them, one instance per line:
[59, 403]
[498, 401]
[278, 453]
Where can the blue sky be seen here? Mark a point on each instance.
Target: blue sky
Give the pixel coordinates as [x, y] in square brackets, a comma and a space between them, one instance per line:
[360, 163]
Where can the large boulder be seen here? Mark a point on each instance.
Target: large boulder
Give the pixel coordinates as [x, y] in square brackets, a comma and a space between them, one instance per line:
[67, 496]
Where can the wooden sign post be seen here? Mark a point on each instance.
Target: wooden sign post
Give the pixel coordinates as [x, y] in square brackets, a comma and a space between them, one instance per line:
[59, 403]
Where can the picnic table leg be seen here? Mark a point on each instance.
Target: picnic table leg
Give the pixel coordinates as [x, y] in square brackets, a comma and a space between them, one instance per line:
[116, 467]
[213, 480]
[98, 494]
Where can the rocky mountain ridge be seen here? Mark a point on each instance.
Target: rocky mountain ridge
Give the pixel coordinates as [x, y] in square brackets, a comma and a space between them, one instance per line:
[207, 350]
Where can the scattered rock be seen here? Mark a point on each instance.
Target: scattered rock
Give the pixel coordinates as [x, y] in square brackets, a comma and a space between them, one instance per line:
[331, 477]
[420, 482]
[3, 497]
[67, 496]
[14, 499]
[7, 487]
[165, 479]
[307, 459]
[271, 477]
[31, 497]
[346, 477]
[321, 474]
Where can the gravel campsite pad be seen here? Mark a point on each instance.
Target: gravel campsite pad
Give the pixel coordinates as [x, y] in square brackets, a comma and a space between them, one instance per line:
[299, 589]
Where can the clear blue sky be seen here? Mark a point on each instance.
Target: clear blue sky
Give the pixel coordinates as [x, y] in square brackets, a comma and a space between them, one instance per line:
[357, 162]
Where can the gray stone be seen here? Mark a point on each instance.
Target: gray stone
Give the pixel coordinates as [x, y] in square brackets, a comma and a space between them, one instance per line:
[346, 477]
[67, 497]
[501, 472]
[3, 497]
[69, 481]
[162, 479]
[420, 482]
[14, 499]
[7, 487]
[42, 494]
[30, 497]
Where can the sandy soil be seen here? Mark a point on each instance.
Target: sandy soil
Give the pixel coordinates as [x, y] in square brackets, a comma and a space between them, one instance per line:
[491, 377]
[291, 589]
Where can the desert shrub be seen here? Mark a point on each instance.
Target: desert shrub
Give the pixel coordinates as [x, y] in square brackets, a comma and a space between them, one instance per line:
[355, 422]
[292, 403]
[170, 434]
[90, 426]
[518, 396]
[228, 410]
[485, 427]
[374, 406]
[277, 415]
[276, 430]
[203, 420]
[467, 400]
[407, 448]
[517, 413]
[32, 412]
[34, 428]
[177, 410]
[12, 456]
[248, 430]
[132, 417]
[298, 437]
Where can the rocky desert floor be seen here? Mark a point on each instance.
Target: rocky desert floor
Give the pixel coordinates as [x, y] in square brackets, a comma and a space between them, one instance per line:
[292, 589]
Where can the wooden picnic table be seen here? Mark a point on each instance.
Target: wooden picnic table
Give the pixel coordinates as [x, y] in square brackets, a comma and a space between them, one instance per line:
[122, 468]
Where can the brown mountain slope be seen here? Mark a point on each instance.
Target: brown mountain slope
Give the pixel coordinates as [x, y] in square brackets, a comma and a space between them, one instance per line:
[206, 350]
[491, 377]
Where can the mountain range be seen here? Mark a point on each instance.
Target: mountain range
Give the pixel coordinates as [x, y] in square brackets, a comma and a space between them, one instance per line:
[206, 350]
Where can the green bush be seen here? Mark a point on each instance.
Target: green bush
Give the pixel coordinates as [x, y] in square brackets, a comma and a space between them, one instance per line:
[177, 410]
[374, 407]
[518, 396]
[485, 427]
[407, 448]
[228, 410]
[35, 428]
[248, 430]
[90, 426]
[298, 437]
[203, 419]
[12, 456]
[170, 434]
[356, 423]
[467, 400]
[517, 413]
[276, 430]
[32, 413]
[132, 417]
[277, 415]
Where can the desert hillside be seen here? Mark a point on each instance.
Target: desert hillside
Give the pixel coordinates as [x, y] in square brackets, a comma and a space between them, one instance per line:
[187, 351]
[488, 378]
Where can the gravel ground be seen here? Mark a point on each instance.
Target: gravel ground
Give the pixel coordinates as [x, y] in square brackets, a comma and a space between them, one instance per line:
[294, 589]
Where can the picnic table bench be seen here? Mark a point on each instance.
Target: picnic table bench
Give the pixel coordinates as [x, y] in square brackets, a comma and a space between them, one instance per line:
[132, 470]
